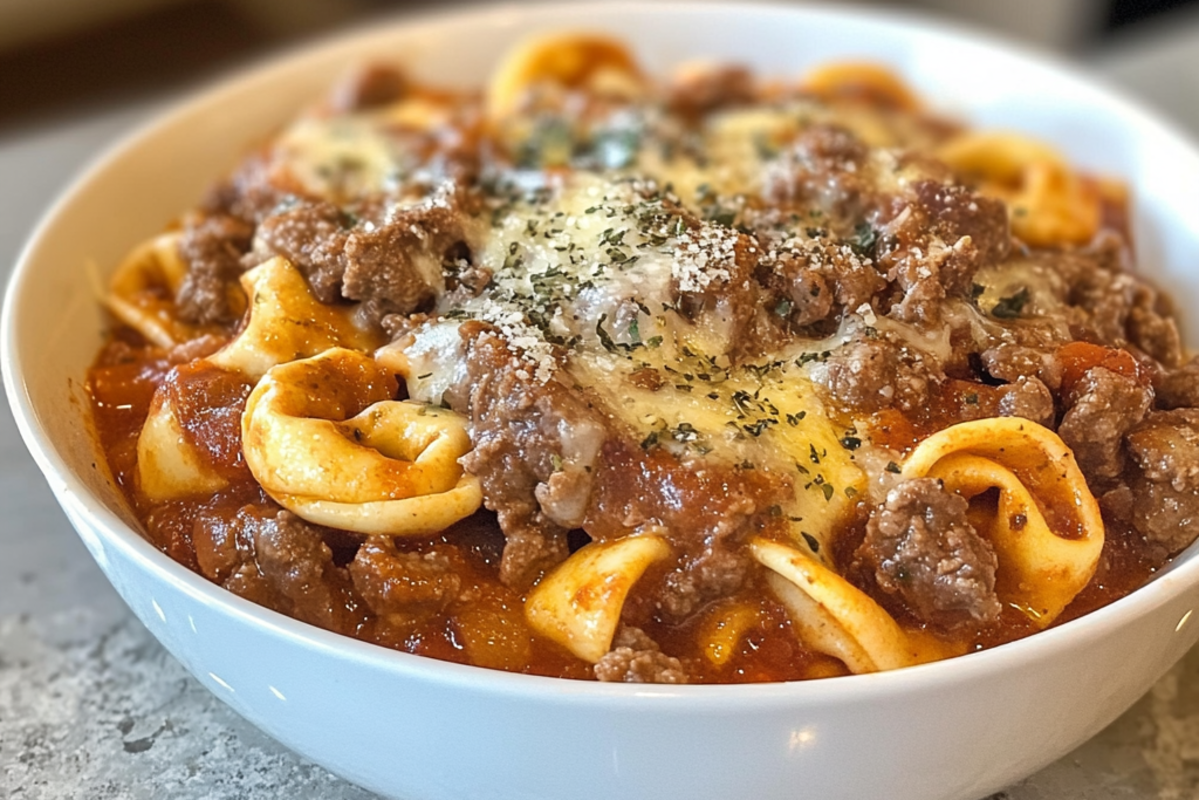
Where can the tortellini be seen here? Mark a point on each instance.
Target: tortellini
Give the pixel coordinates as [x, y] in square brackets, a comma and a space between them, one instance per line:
[1047, 530]
[1050, 204]
[142, 290]
[286, 322]
[391, 469]
[601, 65]
[831, 615]
[168, 467]
[578, 605]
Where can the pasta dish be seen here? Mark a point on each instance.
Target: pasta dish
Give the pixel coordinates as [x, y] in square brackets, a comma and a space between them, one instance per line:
[719, 378]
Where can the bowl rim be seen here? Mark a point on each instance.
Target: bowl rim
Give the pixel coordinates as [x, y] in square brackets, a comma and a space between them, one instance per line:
[1181, 574]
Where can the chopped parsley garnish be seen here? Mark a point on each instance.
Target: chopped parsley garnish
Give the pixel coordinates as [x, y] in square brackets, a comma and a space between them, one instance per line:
[1012, 306]
[616, 148]
[863, 240]
[766, 149]
[604, 338]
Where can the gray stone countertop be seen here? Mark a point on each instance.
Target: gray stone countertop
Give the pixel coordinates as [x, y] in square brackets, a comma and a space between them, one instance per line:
[91, 706]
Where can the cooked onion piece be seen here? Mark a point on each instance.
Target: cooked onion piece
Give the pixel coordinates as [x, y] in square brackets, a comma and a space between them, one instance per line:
[1048, 202]
[142, 291]
[831, 615]
[578, 604]
[1047, 529]
[392, 469]
[598, 64]
[286, 322]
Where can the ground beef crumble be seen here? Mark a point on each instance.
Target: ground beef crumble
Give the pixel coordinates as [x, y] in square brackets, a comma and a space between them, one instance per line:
[1106, 406]
[636, 658]
[922, 550]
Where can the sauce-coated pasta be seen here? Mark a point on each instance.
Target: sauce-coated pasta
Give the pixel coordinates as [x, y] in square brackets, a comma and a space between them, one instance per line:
[711, 379]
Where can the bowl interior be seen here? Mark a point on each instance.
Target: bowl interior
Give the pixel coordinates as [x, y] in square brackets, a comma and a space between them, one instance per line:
[54, 326]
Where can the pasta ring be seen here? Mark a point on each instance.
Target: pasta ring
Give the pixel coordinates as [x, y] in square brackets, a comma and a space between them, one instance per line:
[578, 604]
[1048, 531]
[286, 322]
[860, 80]
[572, 60]
[392, 469]
[831, 615]
[142, 291]
[168, 467]
[1048, 204]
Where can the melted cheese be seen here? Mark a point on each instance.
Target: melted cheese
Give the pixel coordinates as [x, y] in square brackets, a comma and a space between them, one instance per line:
[593, 266]
[341, 157]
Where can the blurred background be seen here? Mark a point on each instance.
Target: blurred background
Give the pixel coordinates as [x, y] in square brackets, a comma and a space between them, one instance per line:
[63, 56]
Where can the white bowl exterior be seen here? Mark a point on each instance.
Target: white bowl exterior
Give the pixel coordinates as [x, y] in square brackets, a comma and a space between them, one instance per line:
[412, 727]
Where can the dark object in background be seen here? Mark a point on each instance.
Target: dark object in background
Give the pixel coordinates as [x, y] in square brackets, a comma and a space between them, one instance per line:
[169, 46]
[1122, 14]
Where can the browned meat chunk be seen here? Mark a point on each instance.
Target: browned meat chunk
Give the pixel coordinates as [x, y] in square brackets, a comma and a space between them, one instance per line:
[806, 296]
[701, 91]
[1179, 388]
[871, 374]
[636, 658]
[535, 446]
[392, 582]
[1151, 326]
[367, 87]
[820, 278]
[1028, 398]
[312, 236]
[826, 167]
[1165, 449]
[1106, 406]
[924, 552]
[1011, 362]
[957, 212]
[1119, 308]
[212, 247]
[254, 190]
[293, 567]
[395, 265]
[935, 239]
[1165, 516]
[399, 263]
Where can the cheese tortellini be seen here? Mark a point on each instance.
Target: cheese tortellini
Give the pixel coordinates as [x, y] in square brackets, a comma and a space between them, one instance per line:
[391, 469]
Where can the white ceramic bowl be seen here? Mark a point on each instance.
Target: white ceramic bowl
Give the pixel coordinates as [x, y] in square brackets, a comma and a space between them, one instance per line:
[418, 728]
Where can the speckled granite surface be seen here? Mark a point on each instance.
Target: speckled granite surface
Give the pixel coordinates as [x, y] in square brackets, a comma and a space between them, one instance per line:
[92, 707]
